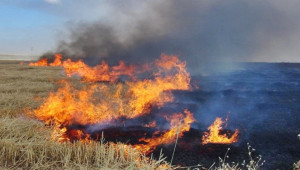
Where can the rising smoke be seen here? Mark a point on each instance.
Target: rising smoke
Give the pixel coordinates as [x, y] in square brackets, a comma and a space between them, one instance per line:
[201, 32]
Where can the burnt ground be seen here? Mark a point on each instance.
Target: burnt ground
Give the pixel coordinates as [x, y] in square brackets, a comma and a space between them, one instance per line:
[262, 100]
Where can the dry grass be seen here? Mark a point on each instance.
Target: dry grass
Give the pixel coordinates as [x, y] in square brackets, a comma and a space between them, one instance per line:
[251, 164]
[20, 84]
[26, 144]
[297, 164]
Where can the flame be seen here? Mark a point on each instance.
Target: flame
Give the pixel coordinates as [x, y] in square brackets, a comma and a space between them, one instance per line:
[100, 72]
[63, 135]
[57, 61]
[102, 103]
[99, 103]
[42, 62]
[214, 136]
[171, 75]
[68, 105]
[179, 123]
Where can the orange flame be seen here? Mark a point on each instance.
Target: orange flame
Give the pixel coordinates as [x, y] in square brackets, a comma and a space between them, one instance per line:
[100, 72]
[178, 123]
[69, 105]
[214, 135]
[97, 103]
[57, 61]
[64, 134]
[42, 62]
[172, 75]
[131, 99]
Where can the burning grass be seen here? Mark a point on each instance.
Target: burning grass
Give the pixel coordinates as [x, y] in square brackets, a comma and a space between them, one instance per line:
[26, 143]
[20, 84]
[101, 104]
[29, 144]
[214, 135]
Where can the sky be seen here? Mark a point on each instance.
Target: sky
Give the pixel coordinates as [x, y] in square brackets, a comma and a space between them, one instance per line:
[26, 31]
[32, 27]
[233, 30]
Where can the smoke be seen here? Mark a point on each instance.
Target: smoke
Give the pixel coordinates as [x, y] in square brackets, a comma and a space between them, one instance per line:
[53, 1]
[201, 32]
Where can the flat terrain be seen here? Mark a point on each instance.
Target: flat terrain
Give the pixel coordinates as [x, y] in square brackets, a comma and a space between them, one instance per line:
[261, 100]
[26, 143]
[21, 84]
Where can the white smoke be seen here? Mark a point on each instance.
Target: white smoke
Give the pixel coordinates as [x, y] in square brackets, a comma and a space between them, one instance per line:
[53, 1]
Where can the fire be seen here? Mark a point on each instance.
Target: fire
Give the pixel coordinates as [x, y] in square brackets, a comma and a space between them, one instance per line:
[69, 105]
[179, 123]
[100, 72]
[214, 135]
[131, 99]
[171, 75]
[57, 61]
[97, 103]
[64, 135]
[42, 62]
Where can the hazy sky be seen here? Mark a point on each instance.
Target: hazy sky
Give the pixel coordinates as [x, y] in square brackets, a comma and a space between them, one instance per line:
[33, 26]
[241, 30]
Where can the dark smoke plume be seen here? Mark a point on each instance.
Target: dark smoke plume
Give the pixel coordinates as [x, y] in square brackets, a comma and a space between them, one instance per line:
[201, 32]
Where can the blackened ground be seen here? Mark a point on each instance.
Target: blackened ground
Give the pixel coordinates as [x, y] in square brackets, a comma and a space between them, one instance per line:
[262, 100]
[128, 135]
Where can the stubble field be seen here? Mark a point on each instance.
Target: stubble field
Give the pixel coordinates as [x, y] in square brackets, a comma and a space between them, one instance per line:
[26, 143]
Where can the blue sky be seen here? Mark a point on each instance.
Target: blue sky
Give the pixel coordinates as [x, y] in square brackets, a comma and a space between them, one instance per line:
[32, 27]
[27, 31]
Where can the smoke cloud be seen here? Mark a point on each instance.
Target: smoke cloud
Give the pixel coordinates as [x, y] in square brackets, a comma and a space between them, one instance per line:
[201, 32]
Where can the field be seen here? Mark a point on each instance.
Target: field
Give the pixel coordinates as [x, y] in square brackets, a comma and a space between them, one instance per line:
[26, 143]
[263, 101]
